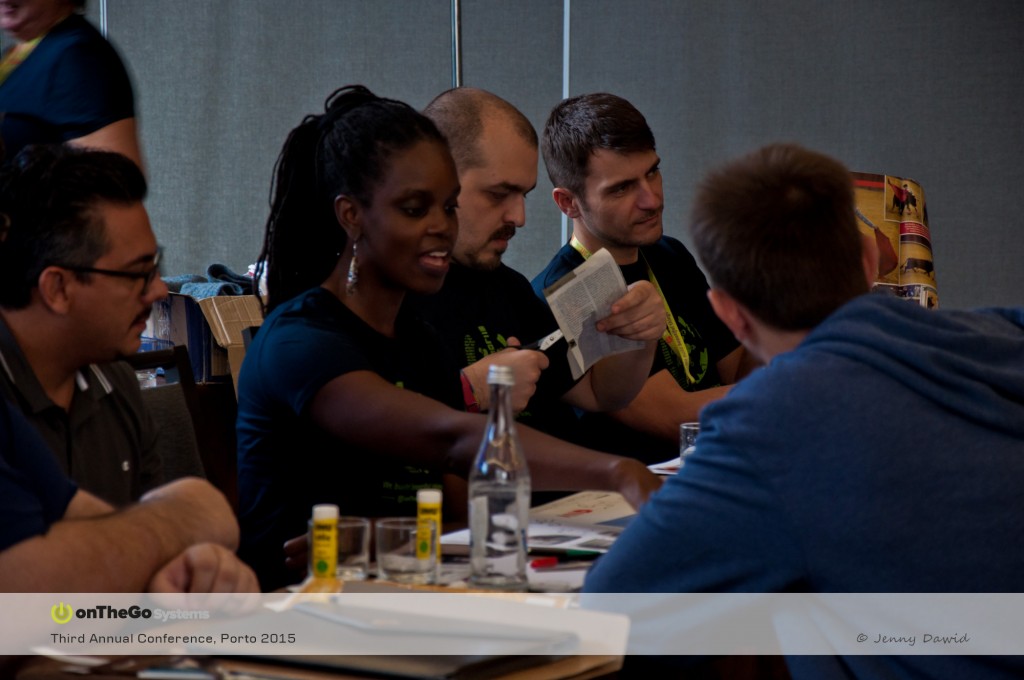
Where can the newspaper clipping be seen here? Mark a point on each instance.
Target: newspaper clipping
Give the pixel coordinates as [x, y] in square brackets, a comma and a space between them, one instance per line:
[579, 300]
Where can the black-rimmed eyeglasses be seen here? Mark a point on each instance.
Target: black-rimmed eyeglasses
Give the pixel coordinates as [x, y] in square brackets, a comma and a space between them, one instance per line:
[146, 276]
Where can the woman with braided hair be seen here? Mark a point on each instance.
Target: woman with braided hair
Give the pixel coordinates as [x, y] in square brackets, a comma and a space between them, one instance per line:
[344, 396]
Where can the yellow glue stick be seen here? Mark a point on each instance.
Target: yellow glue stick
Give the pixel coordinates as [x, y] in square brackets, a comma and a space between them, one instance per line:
[323, 551]
[428, 511]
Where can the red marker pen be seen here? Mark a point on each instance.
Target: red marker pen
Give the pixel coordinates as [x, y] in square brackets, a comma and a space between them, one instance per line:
[544, 562]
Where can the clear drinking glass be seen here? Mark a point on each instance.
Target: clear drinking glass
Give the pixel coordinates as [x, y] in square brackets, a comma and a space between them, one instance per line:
[687, 440]
[353, 548]
[406, 550]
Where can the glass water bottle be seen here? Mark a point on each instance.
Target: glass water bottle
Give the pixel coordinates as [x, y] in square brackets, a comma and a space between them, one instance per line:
[499, 495]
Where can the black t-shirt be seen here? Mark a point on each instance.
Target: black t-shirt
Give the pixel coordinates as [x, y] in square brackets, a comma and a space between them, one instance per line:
[476, 312]
[707, 339]
[72, 84]
[286, 463]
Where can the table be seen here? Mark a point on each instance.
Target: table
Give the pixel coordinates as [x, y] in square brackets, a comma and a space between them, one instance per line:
[572, 668]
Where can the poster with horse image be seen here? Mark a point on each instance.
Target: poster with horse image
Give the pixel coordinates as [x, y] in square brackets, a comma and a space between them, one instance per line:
[894, 211]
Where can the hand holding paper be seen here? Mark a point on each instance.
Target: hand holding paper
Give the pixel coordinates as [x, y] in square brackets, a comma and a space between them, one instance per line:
[585, 296]
[637, 315]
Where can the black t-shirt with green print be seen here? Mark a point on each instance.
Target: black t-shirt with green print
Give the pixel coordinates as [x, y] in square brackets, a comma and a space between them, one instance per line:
[707, 339]
[683, 284]
[476, 312]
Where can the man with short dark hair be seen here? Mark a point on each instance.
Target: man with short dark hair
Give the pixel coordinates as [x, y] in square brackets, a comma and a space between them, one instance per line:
[79, 273]
[600, 156]
[878, 451]
[485, 308]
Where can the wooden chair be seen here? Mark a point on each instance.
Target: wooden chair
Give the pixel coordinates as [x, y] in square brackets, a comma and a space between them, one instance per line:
[212, 409]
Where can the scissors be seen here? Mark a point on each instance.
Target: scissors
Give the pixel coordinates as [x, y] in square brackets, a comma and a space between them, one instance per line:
[545, 342]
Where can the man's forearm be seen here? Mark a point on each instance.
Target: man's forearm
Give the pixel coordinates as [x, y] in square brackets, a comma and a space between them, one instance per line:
[618, 379]
[199, 513]
[557, 465]
[99, 551]
[112, 553]
[613, 382]
[662, 405]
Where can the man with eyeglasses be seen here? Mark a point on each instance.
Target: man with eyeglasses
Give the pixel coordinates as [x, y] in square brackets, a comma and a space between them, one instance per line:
[79, 273]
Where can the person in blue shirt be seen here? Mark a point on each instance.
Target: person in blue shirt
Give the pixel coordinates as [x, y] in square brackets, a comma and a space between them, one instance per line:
[62, 82]
[879, 450]
[55, 537]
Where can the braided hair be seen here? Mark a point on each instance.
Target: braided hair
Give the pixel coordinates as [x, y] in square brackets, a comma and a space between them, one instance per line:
[343, 151]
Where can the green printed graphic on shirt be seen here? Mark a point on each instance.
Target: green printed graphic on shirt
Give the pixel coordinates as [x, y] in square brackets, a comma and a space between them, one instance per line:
[401, 489]
[699, 357]
[479, 346]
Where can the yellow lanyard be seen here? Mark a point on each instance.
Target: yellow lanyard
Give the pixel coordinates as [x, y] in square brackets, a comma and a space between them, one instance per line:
[672, 336]
[15, 56]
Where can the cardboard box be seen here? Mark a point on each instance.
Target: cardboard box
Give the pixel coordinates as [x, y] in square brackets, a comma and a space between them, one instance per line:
[211, 328]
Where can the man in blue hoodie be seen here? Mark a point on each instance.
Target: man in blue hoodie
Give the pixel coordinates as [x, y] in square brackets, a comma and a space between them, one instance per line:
[879, 450]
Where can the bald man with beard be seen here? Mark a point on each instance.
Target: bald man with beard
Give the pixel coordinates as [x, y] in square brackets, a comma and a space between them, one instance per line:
[486, 309]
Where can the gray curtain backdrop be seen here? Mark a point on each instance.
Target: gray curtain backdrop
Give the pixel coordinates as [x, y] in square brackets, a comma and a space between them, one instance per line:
[928, 89]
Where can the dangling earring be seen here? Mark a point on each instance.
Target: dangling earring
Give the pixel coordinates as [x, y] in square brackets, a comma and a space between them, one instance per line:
[353, 273]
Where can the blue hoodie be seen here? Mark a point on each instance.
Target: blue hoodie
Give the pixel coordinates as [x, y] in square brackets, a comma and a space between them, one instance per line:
[884, 454]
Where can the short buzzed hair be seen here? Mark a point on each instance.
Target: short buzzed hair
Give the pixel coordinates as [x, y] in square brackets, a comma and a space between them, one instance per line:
[776, 230]
[460, 114]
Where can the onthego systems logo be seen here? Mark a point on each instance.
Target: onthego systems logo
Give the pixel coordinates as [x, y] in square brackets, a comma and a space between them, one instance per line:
[63, 613]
